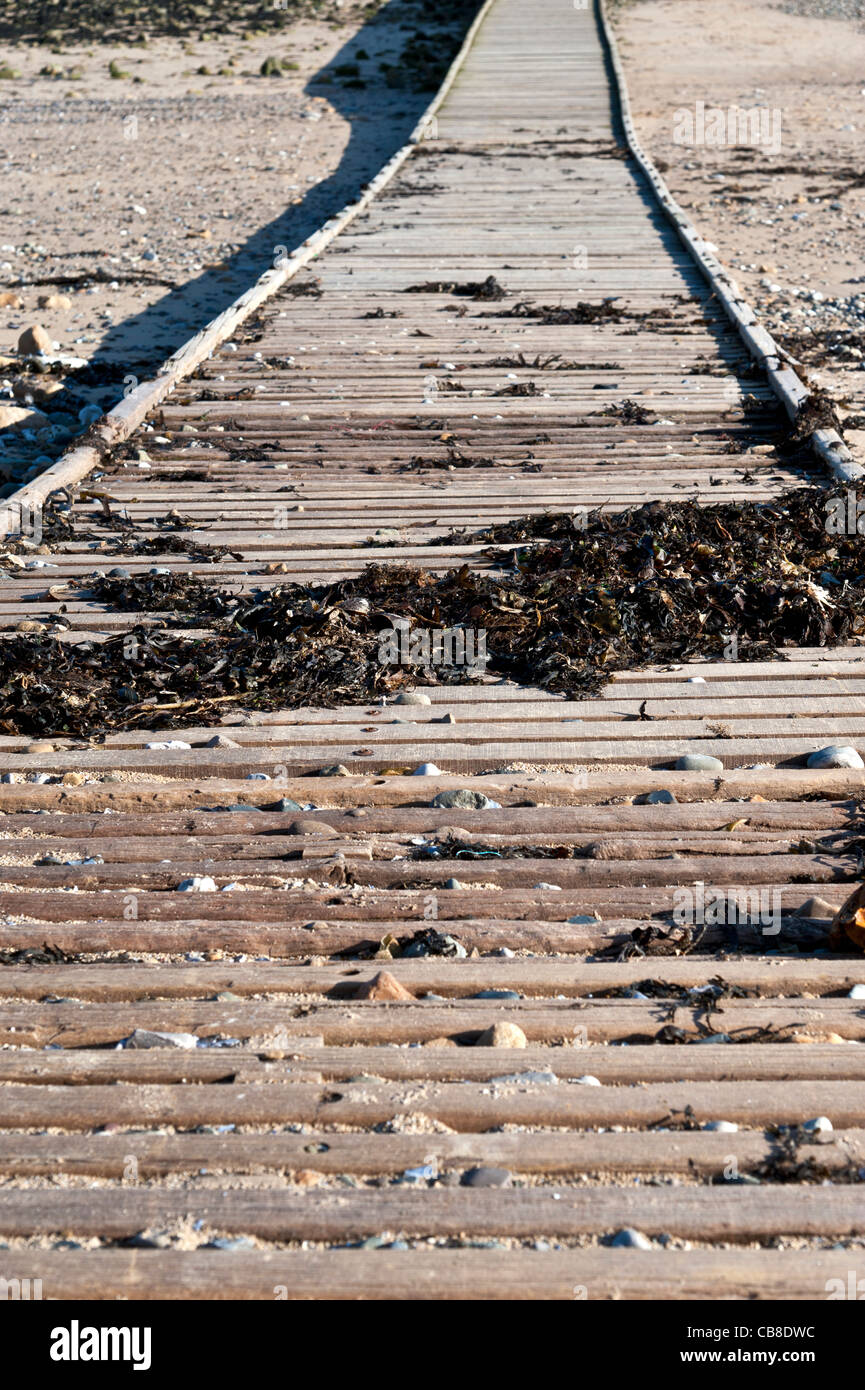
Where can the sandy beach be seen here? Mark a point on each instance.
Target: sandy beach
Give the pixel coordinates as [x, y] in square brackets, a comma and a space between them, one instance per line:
[787, 214]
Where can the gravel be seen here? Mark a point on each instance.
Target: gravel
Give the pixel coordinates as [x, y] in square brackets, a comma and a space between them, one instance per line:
[824, 9]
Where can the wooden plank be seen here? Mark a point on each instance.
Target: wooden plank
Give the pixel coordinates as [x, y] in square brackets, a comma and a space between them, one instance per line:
[452, 978]
[382, 909]
[138, 1156]
[248, 852]
[464, 1106]
[417, 1275]
[744, 870]
[276, 940]
[655, 748]
[576, 788]
[611, 1065]
[524, 823]
[514, 821]
[733, 1214]
[76, 1024]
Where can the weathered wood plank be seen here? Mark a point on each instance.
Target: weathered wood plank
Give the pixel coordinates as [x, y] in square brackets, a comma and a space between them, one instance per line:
[451, 978]
[736, 1214]
[417, 1275]
[134, 1156]
[305, 1059]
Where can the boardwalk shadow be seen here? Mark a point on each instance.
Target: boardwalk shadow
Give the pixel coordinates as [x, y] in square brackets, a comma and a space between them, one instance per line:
[128, 347]
[374, 135]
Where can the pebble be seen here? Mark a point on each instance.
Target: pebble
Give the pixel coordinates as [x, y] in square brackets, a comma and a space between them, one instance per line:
[584, 919]
[532, 1078]
[173, 743]
[463, 799]
[486, 1177]
[311, 827]
[144, 1037]
[16, 417]
[427, 770]
[258, 777]
[286, 804]
[497, 994]
[200, 883]
[307, 1177]
[549, 887]
[54, 301]
[857, 992]
[835, 756]
[424, 1174]
[220, 741]
[502, 1035]
[660, 798]
[698, 762]
[631, 1239]
[39, 747]
[412, 697]
[383, 986]
[822, 1125]
[334, 770]
[817, 908]
[455, 883]
[586, 1081]
[34, 340]
[374, 1243]
[142, 1240]
[722, 1126]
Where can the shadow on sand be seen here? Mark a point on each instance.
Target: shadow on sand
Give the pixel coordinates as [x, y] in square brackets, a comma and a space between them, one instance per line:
[129, 347]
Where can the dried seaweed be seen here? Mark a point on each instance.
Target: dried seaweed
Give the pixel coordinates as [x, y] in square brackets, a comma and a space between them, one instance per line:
[581, 312]
[570, 600]
[471, 289]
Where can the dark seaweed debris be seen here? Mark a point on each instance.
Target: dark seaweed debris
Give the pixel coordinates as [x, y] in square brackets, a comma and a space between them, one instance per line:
[572, 599]
[631, 412]
[582, 312]
[471, 289]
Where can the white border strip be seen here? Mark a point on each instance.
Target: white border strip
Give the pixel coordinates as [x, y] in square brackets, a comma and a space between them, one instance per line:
[760, 343]
[118, 423]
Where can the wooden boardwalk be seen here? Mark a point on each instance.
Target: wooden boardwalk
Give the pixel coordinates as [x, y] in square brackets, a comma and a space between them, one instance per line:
[334, 1134]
